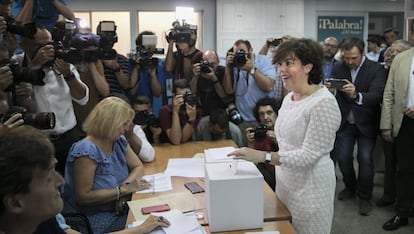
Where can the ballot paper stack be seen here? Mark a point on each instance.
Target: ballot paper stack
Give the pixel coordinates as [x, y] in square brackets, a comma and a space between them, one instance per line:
[234, 192]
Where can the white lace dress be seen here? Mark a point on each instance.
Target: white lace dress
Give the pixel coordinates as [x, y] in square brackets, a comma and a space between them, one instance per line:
[305, 179]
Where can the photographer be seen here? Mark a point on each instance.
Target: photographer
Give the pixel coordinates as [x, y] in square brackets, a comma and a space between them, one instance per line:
[207, 82]
[147, 72]
[13, 122]
[248, 77]
[62, 85]
[262, 137]
[216, 127]
[181, 62]
[116, 66]
[146, 119]
[179, 119]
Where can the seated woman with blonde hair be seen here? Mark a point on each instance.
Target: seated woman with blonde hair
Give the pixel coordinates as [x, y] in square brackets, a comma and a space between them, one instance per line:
[102, 167]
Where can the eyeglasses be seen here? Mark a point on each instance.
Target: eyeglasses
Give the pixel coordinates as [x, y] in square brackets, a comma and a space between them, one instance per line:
[330, 45]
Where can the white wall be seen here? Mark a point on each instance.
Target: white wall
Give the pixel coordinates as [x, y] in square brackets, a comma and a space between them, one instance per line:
[312, 9]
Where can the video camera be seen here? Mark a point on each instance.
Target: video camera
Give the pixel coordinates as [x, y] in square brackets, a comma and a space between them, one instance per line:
[274, 42]
[146, 118]
[42, 120]
[189, 98]
[240, 58]
[108, 37]
[260, 132]
[23, 74]
[181, 33]
[27, 30]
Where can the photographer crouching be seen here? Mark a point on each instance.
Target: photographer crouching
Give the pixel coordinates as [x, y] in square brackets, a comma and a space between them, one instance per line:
[262, 137]
[61, 85]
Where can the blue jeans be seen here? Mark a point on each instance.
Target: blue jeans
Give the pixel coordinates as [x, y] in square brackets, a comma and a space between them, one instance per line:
[344, 148]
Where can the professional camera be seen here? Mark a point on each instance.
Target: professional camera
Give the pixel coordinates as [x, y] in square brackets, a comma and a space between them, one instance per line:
[181, 33]
[260, 132]
[108, 37]
[43, 120]
[189, 98]
[146, 56]
[23, 74]
[240, 58]
[27, 30]
[205, 67]
[146, 118]
[234, 114]
[275, 42]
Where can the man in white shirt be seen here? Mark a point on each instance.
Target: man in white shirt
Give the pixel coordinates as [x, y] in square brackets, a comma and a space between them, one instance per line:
[62, 86]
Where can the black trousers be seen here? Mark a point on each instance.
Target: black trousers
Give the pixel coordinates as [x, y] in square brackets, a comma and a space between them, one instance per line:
[405, 167]
[63, 142]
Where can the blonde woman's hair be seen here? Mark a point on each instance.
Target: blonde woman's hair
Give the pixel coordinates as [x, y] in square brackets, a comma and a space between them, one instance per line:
[107, 116]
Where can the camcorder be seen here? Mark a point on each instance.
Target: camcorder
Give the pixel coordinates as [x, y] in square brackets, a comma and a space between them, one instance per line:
[260, 132]
[205, 67]
[181, 33]
[23, 74]
[108, 37]
[27, 30]
[232, 111]
[146, 118]
[146, 51]
[75, 47]
[240, 58]
[275, 42]
[189, 98]
[42, 120]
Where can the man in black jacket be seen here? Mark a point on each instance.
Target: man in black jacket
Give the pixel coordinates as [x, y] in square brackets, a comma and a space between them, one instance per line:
[359, 100]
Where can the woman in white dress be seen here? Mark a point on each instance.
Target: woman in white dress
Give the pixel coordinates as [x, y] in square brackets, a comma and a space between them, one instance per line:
[305, 130]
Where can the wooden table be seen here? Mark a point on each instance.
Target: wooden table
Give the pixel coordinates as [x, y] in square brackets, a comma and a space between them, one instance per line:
[273, 208]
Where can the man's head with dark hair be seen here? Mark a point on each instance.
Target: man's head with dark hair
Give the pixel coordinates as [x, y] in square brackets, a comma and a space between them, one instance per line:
[241, 44]
[141, 103]
[353, 52]
[219, 122]
[305, 50]
[180, 84]
[391, 35]
[29, 184]
[266, 110]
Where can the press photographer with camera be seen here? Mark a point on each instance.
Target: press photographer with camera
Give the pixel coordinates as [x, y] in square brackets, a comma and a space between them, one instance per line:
[116, 66]
[207, 82]
[147, 71]
[179, 119]
[181, 62]
[248, 77]
[216, 127]
[144, 117]
[62, 85]
[11, 123]
[262, 136]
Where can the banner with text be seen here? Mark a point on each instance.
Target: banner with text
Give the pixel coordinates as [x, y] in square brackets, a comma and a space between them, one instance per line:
[340, 27]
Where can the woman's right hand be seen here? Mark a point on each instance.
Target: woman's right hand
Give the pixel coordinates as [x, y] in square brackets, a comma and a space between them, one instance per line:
[136, 185]
[153, 222]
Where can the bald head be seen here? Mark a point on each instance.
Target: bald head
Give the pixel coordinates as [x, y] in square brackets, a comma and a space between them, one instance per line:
[212, 57]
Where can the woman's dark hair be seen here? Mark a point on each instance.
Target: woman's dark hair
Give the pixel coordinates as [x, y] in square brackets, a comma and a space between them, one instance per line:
[22, 150]
[307, 51]
[266, 101]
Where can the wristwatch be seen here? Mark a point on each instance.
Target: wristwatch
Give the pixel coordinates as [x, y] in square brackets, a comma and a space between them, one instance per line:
[268, 157]
[253, 70]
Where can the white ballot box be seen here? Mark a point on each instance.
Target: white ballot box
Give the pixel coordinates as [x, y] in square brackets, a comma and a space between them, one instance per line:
[234, 196]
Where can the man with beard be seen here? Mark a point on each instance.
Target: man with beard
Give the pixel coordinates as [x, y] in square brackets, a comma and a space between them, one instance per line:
[330, 48]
